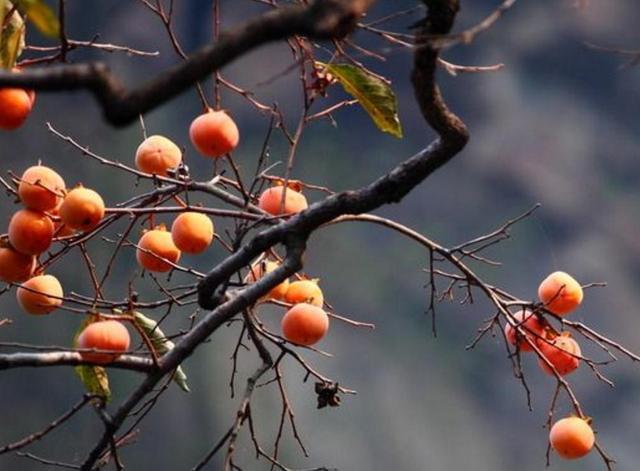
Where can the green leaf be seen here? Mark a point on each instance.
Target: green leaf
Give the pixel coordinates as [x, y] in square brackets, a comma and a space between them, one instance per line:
[374, 95]
[94, 378]
[161, 344]
[11, 37]
[41, 15]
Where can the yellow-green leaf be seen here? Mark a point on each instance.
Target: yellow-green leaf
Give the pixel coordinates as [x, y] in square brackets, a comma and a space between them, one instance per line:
[161, 344]
[94, 378]
[11, 37]
[41, 15]
[374, 95]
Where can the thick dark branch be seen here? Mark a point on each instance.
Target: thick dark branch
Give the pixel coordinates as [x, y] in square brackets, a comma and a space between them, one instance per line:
[322, 19]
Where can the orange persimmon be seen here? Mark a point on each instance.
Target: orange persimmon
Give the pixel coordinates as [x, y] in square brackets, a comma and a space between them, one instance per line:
[110, 335]
[41, 188]
[40, 294]
[157, 155]
[192, 232]
[30, 232]
[14, 266]
[528, 322]
[305, 324]
[262, 267]
[560, 293]
[82, 209]
[572, 437]
[156, 249]
[271, 201]
[304, 291]
[562, 352]
[214, 133]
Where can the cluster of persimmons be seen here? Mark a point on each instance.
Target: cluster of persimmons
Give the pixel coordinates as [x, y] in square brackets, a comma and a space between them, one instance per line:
[52, 212]
[560, 294]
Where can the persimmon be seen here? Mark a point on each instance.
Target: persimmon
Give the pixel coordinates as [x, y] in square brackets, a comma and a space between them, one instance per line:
[14, 266]
[305, 324]
[60, 228]
[40, 294]
[156, 249]
[259, 269]
[529, 323]
[157, 155]
[562, 352]
[41, 188]
[304, 291]
[560, 293]
[82, 209]
[110, 335]
[15, 106]
[214, 133]
[192, 232]
[271, 201]
[572, 437]
[30, 232]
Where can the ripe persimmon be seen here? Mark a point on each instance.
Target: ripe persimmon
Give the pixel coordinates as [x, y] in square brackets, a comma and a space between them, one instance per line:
[15, 106]
[30, 232]
[572, 437]
[60, 228]
[262, 267]
[14, 266]
[304, 291]
[156, 249]
[109, 335]
[41, 188]
[305, 324]
[562, 352]
[157, 154]
[82, 209]
[40, 294]
[560, 293]
[192, 232]
[271, 201]
[214, 133]
[531, 324]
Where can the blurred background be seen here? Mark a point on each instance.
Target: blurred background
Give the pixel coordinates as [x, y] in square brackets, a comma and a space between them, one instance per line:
[558, 125]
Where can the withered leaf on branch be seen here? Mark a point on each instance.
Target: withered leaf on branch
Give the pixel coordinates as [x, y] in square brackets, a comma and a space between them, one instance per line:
[327, 394]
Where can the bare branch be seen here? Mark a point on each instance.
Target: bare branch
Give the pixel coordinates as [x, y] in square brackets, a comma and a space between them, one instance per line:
[322, 19]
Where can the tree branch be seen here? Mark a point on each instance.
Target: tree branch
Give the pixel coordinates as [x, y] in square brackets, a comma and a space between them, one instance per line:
[322, 19]
[53, 358]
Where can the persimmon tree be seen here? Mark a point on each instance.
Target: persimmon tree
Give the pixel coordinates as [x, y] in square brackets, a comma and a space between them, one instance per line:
[270, 216]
